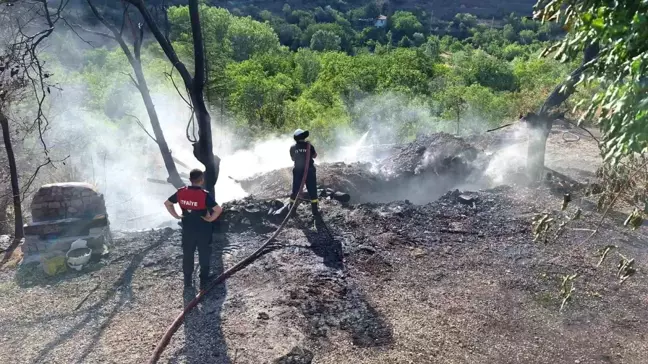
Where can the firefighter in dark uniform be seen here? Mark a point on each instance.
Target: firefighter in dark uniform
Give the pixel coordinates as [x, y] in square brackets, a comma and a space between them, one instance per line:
[298, 155]
[199, 210]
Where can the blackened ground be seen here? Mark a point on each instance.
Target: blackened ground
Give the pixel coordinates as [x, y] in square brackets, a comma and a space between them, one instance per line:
[458, 280]
[446, 282]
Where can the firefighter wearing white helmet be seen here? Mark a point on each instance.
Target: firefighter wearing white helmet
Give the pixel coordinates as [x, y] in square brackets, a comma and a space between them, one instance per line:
[298, 155]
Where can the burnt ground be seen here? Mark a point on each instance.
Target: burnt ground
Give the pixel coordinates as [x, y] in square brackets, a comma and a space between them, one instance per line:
[443, 282]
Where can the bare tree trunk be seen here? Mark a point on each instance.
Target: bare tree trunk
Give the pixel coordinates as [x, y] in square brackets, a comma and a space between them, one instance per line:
[134, 59]
[169, 163]
[538, 129]
[203, 149]
[540, 124]
[15, 188]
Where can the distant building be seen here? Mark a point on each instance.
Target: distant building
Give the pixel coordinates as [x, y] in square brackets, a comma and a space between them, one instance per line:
[381, 21]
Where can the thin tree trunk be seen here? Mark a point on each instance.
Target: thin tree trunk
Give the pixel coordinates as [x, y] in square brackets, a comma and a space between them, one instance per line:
[540, 124]
[15, 188]
[134, 58]
[538, 129]
[169, 163]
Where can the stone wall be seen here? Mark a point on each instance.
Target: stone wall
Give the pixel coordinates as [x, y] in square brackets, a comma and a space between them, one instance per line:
[67, 200]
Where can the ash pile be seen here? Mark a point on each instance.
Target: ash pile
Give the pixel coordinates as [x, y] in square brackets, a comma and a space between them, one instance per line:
[420, 171]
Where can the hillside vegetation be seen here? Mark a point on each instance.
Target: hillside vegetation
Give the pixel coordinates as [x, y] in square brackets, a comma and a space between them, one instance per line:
[328, 70]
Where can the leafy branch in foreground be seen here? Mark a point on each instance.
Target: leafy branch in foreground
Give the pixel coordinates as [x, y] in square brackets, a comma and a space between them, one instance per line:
[620, 30]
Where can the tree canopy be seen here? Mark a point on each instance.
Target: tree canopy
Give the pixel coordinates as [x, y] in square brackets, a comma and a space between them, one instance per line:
[620, 30]
[272, 72]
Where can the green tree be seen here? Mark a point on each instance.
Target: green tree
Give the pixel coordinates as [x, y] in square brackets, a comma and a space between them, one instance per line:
[324, 40]
[467, 20]
[286, 9]
[454, 104]
[407, 70]
[404, 23]
[336, 29]
[432, 48]
[289, 35]
[509, 33]
[405, 42]
[258, 96]
[512, 51]
[418, 39]
[372, 34]
[487, 106]
[484, 69]
[265, 15]
[323, 16]
[302, 18]
[371, 10]
[249, 37]
[307, 66]
[619, 32]
[527, 36]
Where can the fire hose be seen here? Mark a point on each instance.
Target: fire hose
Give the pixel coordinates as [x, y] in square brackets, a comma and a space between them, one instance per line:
[175, 325]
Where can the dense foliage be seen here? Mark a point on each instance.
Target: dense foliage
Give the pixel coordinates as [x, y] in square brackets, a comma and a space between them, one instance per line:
[328, 71]
[620, 29]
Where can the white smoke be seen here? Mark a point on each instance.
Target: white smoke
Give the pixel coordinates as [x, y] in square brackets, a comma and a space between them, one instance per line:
[509, 157]
[119, 158]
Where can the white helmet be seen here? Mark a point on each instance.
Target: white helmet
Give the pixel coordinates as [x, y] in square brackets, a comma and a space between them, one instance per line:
[300, 134]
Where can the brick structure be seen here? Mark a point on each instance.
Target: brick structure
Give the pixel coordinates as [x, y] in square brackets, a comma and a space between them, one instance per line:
[67, 200]
[63, 213]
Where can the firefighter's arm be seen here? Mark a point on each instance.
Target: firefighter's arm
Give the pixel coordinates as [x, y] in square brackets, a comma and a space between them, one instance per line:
[213, 210]
[313, 152]
[170, 206]
[214, 214]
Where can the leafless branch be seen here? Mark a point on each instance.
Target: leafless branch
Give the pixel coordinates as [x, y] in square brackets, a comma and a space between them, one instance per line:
[139, 122]
[500, 127]
[613, 202]
[132, 78]
[191, 124]
[167, 24]
[121, 29]
[168, 49]
[74, 26]
[31, 179]
[170, 76]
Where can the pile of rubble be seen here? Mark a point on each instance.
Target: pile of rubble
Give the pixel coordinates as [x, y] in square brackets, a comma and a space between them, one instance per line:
[420, 171]
[439, 154]
[354, 179]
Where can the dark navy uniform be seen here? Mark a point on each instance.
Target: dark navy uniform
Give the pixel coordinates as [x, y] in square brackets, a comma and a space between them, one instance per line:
[196, 232]
[298, 155]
